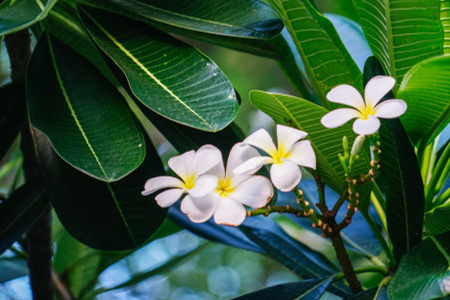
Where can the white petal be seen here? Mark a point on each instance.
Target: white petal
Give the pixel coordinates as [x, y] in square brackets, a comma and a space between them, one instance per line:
[229, 212]
[285, 176]
[390, 109]
[366, 127]
[255, 191]
[339, 117]
[199, 210]
[346, 94]
[377, 88]
[161, 182]
[252, 165]
[288, 136]
[262, 140]
[204, 185]
[180, 164]
[169, 197]
[303, 154]
[239, 154]
[205, 159]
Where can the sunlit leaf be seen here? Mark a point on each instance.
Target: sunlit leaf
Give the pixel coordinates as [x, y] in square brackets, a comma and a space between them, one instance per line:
[168, 76]
[401, 33]
[86, 119]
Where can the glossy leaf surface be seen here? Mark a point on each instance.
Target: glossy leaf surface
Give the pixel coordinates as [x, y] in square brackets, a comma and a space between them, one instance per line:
[168, 76]
[241, 18]
[17, 15]
[326, 60]
[306, 116]
[86, 119]
[311, 289]
[424, 271]
[401, 33]
[426, 90]
[12, 114]
[20, 211]
[405, 200]
[102, 215]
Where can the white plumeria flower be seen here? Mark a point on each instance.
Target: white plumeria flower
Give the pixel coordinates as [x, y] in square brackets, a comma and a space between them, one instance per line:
[226, 203]
[368, 112]
[189, 166]
[286, 159]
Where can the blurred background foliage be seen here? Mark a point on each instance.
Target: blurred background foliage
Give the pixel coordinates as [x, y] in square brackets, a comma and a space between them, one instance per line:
[198, 269]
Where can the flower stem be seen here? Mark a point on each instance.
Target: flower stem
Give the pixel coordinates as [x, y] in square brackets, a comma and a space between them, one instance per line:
[276, 209]
[317, 222]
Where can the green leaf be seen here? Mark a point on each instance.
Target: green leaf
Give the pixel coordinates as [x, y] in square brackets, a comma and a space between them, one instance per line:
[405, 200]
[21, 14]
[12, 113]
[102, 215]
[426, 90]
[241, 18]
[326, 60]
[445, 22]
[86, 119]
[12, 268]
[424, 272]
[437, 220]
[327, 143]
[401, 33]
[63, 22]
[20, 211]
[168, 76]
[309, 289]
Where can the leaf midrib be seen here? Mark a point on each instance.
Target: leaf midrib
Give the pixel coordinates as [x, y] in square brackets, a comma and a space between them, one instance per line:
[146, 71]
[72, 111]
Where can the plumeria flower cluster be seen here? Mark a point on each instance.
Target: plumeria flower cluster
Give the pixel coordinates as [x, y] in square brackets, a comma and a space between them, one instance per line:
[213, 190]
[367, 112]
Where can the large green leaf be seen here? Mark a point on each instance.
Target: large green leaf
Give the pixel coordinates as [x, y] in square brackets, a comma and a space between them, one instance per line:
[405, 200]
[102, 215]
[20, 211]
[86, 119]
[401, 33]
[168, 76]
[241, 18]
[424, 272]
[12, 113]
[437, 220]
[17, 15]
[426, 90]
[312, 289]
[327, 143]
[326, 60]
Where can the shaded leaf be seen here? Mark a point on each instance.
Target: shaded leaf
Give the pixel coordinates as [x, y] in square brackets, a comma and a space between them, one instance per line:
[375, 293]
[17, 15]
[437, 220]
[423, 272]
[20, 211]
[241, 18]
[311, 289]
[327, 62]
[12, 113]
[12, 268]
[405, 200]
[168, 76]
[401, 33]
[106, 216]
[86, 119]
[426, 90]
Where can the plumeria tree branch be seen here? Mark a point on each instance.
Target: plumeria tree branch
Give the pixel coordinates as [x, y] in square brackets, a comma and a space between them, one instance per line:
[277, 209]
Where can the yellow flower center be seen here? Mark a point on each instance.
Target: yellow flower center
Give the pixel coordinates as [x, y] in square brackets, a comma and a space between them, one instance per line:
[366, 112]
[224, 187]
[278, 155]
[189, 182]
